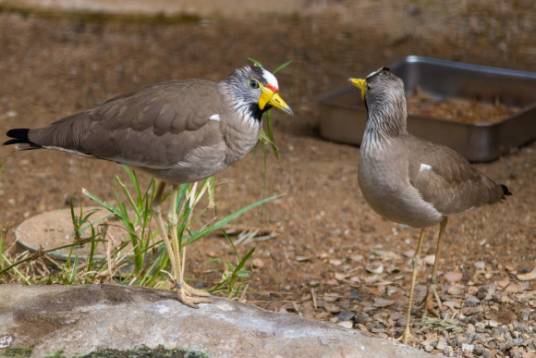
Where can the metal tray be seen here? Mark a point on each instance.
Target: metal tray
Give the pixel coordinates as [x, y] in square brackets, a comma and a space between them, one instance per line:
[343, 116]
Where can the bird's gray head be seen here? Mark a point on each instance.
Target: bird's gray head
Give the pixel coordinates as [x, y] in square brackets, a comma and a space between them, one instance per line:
[254, 90]
[385, 100]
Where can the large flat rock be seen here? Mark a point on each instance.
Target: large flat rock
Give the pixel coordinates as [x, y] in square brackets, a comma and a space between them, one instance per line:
[82, 319]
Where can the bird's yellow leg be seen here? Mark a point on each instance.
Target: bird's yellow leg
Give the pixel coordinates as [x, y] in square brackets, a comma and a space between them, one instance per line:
[185, 293]
[406, 336]
[192, 291]
[162, 226]
[431, 291]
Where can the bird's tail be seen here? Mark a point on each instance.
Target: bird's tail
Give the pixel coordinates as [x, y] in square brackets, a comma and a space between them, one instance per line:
[506, 191]
[20, 136]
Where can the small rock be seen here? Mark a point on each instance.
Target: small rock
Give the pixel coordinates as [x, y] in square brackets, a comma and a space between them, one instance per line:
[355, 279]
[493, 324]
[345, 316]
[257, 263]
[485, 292]
[335, 262]
[339, 276]
[471, 301]
[513, 288]
[331, 297]
[453, 276]
[332, 308]
[409, 253]
[525, 314]
[441, 344]
[346, 324]
[354, 295]
[527, 276]
[314, 283]
[455, 290]
[303, 258]
[480, 265]
[470, 329]
[386, 255]
[376, 268]
[361, 317]
[469, 348]
[381, 302]
[429, 259]
[428, 348]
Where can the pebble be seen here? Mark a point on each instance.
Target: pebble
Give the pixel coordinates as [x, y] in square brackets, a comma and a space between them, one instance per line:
[480, 265]
[493, 324]
[469, 348]
[376, 268]
[346, 324]
[429, 259]
[485, 292]
[345, 316]
[335, 262]
[471, 301]
[453, 276]
[332, 308]
[361, 318]
[480, 350]
[381, 302]
[441, 344]
[257, 263]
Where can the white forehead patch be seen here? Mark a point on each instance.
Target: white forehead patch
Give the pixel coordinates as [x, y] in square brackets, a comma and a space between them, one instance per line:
[270, 78]
[375, 72]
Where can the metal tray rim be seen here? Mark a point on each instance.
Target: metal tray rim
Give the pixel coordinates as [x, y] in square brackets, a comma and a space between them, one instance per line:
[464, 66]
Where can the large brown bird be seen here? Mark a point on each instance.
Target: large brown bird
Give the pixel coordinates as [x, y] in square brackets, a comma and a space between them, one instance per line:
[409, 180]
[179, 131]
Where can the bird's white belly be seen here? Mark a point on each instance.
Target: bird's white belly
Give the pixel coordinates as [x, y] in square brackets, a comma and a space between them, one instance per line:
[393, 197]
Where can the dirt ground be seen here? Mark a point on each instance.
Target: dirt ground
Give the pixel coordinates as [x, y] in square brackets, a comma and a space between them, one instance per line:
[333, 257]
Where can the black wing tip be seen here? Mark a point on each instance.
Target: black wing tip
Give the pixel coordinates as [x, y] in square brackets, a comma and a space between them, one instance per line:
[20, 136]
[506, 191]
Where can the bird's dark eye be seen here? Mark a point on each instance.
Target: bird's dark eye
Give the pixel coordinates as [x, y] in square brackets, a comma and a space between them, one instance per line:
[254, 84]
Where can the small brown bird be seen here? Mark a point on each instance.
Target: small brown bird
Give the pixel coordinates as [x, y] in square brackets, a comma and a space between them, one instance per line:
[179, 131]
[409, 180]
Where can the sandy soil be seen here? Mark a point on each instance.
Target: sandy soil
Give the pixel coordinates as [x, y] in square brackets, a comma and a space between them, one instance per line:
[52, 68]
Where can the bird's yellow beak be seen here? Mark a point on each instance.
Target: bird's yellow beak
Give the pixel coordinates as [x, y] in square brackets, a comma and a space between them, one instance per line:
[268, 96]
[361, 84]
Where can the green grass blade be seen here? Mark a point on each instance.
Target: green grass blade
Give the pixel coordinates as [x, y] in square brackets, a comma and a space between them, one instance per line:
[255, 62]
[136, 183]
[99, 201]
[126, 192]
[281, 67]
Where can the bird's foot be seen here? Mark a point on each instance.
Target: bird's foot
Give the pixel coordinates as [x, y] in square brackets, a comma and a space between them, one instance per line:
[406, 337]
[191, 296]
[431, 294]
[191, 300]
[195, 291]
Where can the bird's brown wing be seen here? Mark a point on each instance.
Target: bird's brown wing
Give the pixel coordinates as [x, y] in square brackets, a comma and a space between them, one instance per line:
[155, 127]
[446, 180]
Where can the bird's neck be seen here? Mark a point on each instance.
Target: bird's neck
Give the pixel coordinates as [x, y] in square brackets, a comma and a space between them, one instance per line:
[386, 120]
